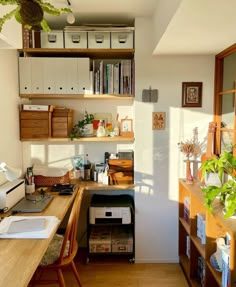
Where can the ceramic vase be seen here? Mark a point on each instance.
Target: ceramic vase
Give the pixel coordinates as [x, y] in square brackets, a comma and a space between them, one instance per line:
[189, 177]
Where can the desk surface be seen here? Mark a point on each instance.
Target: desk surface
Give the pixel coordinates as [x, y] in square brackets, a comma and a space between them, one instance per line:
[19, 258]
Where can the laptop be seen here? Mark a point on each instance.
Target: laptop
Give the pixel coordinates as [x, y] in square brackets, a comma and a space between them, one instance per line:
[32, 203]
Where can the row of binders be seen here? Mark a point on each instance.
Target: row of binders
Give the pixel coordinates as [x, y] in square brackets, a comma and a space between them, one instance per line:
[113, 78]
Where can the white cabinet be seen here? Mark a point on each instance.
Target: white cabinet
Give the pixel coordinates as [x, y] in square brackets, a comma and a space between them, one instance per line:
[43, 75]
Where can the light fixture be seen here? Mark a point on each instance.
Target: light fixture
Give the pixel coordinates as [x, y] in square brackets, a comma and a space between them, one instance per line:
[70, 17]
[11, 173]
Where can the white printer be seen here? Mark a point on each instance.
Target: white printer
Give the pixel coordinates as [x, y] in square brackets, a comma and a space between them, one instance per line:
[111, 209]
[107, 214]
[11, 192]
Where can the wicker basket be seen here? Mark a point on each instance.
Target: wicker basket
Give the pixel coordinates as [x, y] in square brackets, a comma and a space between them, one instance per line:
[41, 180]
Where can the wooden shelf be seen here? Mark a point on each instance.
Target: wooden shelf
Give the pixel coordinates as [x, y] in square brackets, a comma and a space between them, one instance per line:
[215, 226]
[89, 139]
[78, 97]
[91, 53]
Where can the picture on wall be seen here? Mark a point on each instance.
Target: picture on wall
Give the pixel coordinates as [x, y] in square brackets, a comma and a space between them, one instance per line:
[192, 94]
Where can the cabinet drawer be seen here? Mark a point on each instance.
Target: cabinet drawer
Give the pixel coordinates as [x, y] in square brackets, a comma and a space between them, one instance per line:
[59, 126]
[76, 39]
[120, 164]
[60, 133]
[34, 124]
[56, 120]
[34, 115]
[27, 133]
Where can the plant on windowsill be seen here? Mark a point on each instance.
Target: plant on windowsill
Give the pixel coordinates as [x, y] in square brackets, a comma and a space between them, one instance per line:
[226, 162]
[30, 13]
[84, 127]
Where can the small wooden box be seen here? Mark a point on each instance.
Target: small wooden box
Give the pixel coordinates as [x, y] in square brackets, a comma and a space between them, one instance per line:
[62, 123]
[121, 171]
[35, 124]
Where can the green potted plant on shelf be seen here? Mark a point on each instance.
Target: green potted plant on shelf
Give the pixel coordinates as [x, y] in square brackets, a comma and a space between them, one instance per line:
[226, 192]
[30, 13]
[84, 127]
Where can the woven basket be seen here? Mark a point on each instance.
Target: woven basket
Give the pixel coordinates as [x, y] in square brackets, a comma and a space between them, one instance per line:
[41, 180]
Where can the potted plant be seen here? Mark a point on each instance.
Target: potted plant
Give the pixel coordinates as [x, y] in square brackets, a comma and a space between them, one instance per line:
[84, 127]
[30, 13]
[225, 163]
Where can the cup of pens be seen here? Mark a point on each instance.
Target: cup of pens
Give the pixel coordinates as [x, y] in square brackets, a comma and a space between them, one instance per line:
[29, 178]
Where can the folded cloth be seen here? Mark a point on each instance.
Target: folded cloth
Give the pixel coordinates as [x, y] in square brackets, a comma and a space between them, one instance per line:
[49, 170]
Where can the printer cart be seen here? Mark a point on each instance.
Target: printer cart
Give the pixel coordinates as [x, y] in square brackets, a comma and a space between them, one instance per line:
[111, 226]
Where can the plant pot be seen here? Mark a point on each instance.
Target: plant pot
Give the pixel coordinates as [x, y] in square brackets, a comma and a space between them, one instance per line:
[212, 179]
[87, 130]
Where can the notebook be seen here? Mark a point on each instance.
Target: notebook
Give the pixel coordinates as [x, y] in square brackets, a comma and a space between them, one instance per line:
[33, 203]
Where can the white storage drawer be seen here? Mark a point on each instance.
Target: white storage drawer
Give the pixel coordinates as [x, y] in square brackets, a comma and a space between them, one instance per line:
[53, 39]
[76, 39]
[99, 40]
[122, 40]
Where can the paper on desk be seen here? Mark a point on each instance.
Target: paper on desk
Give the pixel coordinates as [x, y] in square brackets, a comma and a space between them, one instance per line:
[50, 225]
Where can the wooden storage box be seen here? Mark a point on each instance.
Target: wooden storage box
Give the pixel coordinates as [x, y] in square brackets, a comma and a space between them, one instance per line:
[35, 124]
[62, 123]
[121, 171]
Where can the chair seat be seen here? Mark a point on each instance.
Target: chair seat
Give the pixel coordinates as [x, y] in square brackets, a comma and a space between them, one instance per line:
[53, 252]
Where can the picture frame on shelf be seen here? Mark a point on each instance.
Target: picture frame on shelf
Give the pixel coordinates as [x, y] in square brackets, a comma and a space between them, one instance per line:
[191, 94]
[78, 162]
[126, 128]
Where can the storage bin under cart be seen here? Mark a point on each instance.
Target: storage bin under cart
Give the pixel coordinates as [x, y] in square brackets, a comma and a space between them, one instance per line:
[111, 226]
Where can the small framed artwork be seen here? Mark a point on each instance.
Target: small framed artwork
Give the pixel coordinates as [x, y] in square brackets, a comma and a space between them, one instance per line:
[158, 120]
[192, 94]
[126, 128]
[78, 162]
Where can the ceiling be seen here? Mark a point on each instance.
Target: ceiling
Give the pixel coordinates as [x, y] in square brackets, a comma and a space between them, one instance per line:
[197, 26]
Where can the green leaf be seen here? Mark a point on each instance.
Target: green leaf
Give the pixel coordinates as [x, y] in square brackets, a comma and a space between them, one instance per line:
[7, 16]
[44, 25]
[8, 2]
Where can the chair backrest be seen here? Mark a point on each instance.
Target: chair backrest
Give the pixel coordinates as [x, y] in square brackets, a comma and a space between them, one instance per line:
[71, 228]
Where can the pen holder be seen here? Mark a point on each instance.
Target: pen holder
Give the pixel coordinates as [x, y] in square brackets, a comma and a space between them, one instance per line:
[30, 188]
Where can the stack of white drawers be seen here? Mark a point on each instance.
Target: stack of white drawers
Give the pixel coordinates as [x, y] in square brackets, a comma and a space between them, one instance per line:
[85, 38]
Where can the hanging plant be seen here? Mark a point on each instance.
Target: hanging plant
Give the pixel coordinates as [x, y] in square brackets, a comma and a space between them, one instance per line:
[30, 13]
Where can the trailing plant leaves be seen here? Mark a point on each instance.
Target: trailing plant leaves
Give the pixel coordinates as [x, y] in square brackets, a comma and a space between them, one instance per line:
[9, 2]
[45, 26]
[8, 16]
[50, 9]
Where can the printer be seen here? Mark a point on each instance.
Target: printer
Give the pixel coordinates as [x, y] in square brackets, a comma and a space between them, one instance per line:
[11, 192]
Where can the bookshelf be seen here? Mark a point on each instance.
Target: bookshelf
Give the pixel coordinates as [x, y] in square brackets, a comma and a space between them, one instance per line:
[197, 255]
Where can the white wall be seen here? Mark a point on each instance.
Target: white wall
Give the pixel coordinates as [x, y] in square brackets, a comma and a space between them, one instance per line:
[158, 162]
[10, 145]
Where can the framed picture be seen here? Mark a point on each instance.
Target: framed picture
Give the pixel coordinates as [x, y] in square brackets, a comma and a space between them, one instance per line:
[126, 128]
[78, 162]
[158, 120]
[192, 94]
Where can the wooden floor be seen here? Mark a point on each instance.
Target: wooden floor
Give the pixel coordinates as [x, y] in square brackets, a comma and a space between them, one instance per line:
[124, 274]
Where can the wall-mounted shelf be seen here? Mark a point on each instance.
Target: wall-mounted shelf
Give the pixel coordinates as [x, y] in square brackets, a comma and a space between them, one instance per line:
[92, 53]
[78, 97]
[85, 139]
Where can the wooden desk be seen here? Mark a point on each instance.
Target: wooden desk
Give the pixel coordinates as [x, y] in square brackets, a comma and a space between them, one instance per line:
[19, 258]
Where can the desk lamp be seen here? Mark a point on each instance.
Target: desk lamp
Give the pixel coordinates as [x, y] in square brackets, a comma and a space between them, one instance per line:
[10, 173]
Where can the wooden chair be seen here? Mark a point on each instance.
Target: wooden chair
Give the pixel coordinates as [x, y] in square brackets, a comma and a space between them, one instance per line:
[69, 247]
